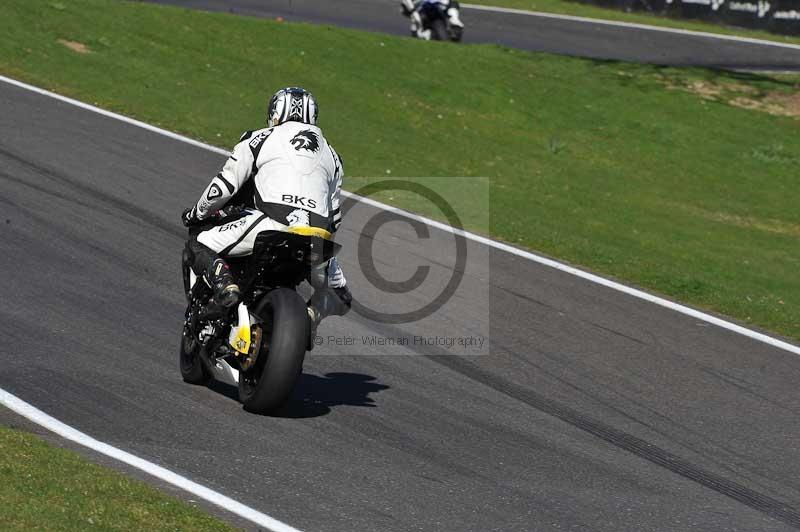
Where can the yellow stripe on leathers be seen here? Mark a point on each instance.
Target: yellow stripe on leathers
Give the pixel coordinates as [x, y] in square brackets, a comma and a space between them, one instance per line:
[306, 230]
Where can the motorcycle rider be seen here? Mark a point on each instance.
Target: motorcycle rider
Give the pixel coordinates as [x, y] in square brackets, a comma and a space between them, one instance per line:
[284, 175]
[411, 10]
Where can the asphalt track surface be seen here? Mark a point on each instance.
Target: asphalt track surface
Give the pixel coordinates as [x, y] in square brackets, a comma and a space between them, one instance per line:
[586, 410]
[568, 37]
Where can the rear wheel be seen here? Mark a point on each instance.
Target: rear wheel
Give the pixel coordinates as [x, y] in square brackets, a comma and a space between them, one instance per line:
[192, 369]
[267, 385]
[439, 30]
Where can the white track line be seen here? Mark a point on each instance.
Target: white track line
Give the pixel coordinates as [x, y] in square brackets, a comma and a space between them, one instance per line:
[631, 25]
[593, 278]
[237, 508]
[65, 431]
[470, 236]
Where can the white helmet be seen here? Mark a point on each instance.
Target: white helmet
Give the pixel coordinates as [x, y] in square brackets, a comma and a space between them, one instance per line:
[292, 104]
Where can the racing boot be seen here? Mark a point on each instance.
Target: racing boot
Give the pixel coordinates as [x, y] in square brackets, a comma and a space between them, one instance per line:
[206, 263]
[453, 16]
[323, 303]
[226, 291]
[456, 26]
[417, 27]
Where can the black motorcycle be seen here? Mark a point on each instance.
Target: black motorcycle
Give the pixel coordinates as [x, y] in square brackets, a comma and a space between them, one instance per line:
[437, 20]
[259, 345]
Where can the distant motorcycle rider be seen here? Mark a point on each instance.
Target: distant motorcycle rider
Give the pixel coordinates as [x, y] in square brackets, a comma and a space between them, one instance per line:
[283, 175]
[411, 10]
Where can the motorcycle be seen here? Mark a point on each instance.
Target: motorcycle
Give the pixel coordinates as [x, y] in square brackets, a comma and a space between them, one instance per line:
[437, 20]
[259, 345]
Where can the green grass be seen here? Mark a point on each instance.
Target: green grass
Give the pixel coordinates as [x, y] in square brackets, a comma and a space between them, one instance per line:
[578, 9]
[47, 488]
[643, 173]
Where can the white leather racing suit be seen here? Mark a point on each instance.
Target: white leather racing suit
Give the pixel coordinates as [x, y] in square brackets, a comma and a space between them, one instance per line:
[290, 175]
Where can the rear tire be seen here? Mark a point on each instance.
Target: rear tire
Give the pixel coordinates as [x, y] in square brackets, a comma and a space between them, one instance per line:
[192, 369]
[269, 383]
[439, 30]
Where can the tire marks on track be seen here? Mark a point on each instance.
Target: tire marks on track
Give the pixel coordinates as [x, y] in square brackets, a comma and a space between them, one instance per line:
[770, 506]
[100, 200]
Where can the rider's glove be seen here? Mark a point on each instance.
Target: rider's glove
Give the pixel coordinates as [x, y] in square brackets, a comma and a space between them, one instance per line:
[189, 217]
[231, 211]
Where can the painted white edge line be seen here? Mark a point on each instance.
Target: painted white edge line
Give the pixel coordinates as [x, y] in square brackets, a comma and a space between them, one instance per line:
[593, 278]
[65, 431]
[708, 318]
[632, 25]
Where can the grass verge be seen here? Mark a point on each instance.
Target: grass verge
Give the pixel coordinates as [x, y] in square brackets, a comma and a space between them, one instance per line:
[577, 9]
[684, 182]
[46, 488]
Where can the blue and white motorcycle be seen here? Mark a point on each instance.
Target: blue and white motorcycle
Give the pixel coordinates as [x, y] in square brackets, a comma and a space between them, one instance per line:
[434, 20]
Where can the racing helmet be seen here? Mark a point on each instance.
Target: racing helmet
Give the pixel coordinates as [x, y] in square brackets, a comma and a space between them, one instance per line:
[292, 104]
